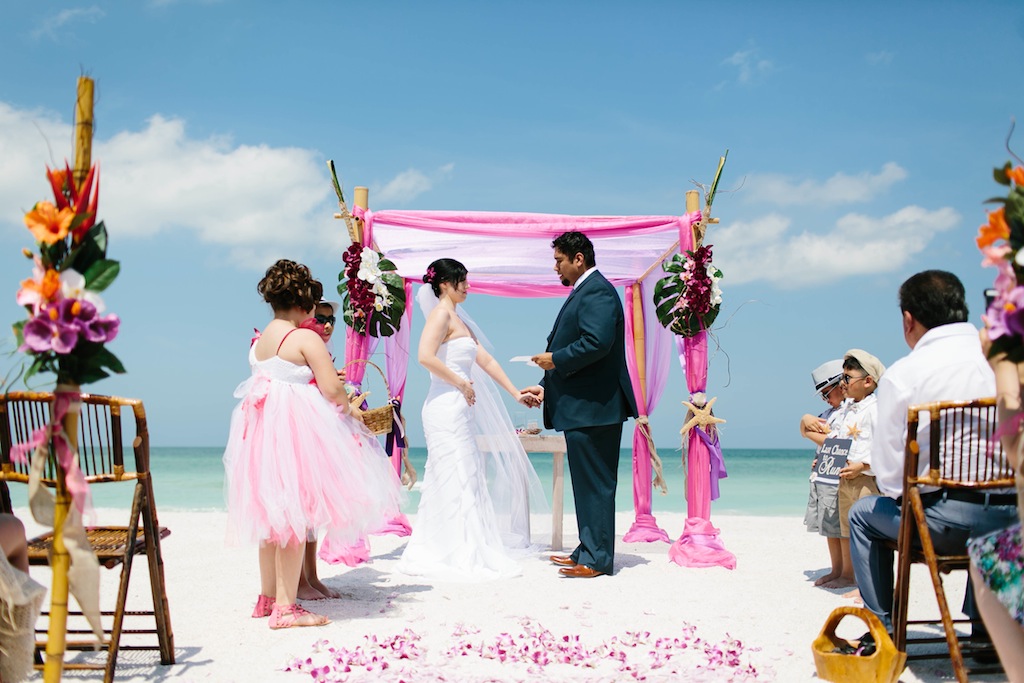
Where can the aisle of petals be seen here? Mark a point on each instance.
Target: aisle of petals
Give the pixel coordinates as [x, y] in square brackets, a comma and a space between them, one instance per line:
[534, 653]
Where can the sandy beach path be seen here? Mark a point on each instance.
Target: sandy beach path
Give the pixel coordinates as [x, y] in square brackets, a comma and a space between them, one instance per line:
[653, 620]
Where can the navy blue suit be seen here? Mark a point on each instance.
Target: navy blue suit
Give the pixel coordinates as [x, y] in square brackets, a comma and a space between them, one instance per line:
[588, 396]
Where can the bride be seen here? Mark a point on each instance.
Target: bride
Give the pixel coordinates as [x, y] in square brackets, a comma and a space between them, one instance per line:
[478, 483]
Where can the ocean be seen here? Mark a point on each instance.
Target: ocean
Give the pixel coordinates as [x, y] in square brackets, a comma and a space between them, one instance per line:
[765, 482]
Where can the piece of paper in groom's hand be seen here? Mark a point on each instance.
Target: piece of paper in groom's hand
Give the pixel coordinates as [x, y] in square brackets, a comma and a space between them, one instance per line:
[523, 359]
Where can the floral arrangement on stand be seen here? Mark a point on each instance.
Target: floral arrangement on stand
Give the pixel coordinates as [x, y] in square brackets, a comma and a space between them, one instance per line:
[689, 298]
[66, 331]
[1001, 240]
[373, 293]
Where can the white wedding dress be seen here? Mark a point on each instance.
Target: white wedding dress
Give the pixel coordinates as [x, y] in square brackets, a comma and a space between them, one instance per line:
[478, 484]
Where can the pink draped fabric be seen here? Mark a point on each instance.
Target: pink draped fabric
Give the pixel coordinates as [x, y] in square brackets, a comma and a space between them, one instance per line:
[505, 224]
[396, 353]
[699, 545]
[645, 527]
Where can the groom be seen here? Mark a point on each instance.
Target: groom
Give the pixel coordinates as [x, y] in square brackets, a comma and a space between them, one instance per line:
[586, 394]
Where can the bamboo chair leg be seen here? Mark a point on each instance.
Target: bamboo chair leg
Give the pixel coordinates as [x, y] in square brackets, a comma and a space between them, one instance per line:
[901, 599]
[955, 654]
[161, 610]
[122, 593]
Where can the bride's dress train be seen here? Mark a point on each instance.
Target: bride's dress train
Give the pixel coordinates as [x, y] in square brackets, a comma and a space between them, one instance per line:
[471, 521]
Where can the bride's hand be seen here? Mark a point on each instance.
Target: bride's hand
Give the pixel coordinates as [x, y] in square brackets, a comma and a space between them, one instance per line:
[527, 399]
[467, 390]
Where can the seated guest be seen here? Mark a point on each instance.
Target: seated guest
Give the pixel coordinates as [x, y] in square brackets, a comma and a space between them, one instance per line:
[945, 363]
[20, 602]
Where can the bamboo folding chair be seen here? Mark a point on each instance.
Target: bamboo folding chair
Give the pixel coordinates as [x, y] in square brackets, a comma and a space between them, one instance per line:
[966, 459]
[101, 458]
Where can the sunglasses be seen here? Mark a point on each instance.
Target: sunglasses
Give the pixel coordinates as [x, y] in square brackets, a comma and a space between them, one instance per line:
[325, 319]
[850, 379]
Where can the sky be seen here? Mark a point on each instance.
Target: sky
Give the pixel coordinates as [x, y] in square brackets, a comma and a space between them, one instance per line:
[861, 140]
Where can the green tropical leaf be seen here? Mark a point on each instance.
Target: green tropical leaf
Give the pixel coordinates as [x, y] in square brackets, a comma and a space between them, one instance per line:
[385, 264]
[1002, 175]
[108, 360]
[100, 274]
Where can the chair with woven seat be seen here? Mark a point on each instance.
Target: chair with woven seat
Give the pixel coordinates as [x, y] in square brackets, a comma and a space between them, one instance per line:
[968, 467]
[101, 458]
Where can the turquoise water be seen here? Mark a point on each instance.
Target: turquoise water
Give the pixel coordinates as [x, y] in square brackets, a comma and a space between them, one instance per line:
[760, 481]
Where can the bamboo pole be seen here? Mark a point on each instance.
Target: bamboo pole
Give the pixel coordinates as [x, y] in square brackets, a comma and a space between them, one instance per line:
[693, 204]
[60, 561]
[360, 198]
[83, 129]
[639, 338]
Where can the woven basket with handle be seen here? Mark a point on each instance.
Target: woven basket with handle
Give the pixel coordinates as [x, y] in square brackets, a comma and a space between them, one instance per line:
[378, 420]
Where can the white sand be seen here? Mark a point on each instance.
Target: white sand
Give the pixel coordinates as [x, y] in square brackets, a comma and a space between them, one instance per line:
[768, 603]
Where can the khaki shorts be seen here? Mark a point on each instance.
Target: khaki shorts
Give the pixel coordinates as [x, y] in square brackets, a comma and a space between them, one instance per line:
[850, 491]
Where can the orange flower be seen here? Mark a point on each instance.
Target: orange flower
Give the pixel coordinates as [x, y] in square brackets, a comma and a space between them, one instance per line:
[47, 287]
[995, 229]
[47, 223]
[1016, 175]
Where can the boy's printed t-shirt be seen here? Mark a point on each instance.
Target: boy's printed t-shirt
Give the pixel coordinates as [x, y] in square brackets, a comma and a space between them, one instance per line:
[856, 421]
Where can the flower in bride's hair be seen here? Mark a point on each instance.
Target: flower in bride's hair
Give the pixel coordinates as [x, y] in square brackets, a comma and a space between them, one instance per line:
[429, 277]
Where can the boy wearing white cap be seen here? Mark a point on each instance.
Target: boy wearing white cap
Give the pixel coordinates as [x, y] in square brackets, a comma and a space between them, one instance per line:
[855, 424]
[822, 502]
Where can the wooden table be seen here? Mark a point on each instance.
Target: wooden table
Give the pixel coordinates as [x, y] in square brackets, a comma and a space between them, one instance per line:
[555, 445]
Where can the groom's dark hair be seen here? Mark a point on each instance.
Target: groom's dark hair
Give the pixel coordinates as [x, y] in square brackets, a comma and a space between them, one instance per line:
[572, 243]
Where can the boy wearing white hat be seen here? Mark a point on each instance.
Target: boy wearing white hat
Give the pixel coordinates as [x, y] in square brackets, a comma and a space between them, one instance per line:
[854, 427]
[822, 514]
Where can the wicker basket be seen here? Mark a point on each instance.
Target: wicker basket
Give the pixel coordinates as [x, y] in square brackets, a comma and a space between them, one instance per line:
[378, 420]
[883, 666]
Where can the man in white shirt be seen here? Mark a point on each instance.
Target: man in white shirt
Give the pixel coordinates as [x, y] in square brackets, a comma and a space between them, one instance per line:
[946, 363]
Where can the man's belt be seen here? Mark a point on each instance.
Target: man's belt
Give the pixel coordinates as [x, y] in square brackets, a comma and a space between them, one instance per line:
[965, 496]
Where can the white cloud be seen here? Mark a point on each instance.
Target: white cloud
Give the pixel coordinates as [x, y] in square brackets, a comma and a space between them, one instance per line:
[839, 189]
[50, 25]
[879, 57]
[409, 184]
[257, 202]
[766, 250]
[749, 65]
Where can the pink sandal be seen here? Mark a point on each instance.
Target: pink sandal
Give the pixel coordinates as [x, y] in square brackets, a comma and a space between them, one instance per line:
[264, 606]
[289, 616]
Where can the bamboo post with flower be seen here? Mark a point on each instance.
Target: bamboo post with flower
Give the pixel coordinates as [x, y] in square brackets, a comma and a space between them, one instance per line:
[65, 333]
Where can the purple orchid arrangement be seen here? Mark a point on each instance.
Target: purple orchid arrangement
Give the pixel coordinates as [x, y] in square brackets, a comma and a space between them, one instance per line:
[689, 298]
[66, 329]
[373, 294]
[1001, 241]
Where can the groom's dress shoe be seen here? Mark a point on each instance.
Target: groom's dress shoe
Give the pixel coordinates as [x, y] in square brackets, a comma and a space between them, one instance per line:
[580, 571]
[563, 560]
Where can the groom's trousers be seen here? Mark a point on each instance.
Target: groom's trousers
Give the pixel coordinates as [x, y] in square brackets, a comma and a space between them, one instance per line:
[593, 454]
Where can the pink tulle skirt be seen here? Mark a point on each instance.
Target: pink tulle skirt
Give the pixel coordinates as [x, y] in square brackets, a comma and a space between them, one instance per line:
[294, 464]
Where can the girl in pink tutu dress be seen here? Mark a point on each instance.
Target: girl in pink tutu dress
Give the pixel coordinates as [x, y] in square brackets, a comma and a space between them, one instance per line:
[292, 466]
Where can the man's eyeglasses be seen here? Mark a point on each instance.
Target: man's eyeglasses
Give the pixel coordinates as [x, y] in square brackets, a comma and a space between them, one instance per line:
[850, 379]
[324, 319]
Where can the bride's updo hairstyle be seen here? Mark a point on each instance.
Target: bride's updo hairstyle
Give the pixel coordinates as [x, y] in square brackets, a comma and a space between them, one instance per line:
[288, 284]
[444, 270]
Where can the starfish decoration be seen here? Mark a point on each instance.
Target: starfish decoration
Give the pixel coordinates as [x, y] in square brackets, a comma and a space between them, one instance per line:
[853, 432]
[702, 416]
